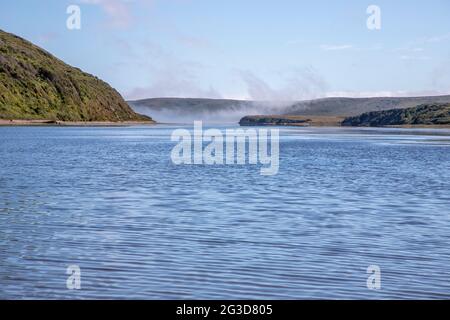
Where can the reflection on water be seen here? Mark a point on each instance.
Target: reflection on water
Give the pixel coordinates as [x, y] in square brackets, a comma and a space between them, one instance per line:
[111, 201]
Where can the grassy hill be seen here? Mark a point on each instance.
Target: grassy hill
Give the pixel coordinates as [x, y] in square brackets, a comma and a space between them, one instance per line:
[36, 85]
[427, 114]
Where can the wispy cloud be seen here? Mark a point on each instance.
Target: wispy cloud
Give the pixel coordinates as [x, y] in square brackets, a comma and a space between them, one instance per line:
[170, 76]
[439, 38]
[194, 42]
[387, 93]
[170, 87]
[327, 47]
[45, 38]
[118, 11]
[423, 41]
[295, 42]
[408, 49]
[408, 57]
[299, 84]
[440, 76]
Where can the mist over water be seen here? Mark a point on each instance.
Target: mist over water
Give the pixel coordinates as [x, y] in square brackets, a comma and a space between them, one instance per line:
[230, 113]
[297, 85]
[182, 117]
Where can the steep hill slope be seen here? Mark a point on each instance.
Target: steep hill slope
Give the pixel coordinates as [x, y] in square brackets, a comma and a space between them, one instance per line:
[36, 85]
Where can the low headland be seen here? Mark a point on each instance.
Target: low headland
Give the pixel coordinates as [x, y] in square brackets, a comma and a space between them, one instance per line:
[300, 121]
[426, 115]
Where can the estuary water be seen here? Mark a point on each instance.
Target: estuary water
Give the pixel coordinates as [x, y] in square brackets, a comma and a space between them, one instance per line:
[111, 201]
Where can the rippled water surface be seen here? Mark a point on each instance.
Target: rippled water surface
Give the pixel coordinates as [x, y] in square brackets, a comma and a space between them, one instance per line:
[111, 201]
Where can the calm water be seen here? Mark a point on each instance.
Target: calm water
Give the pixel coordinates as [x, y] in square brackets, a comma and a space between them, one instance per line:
[111, 201]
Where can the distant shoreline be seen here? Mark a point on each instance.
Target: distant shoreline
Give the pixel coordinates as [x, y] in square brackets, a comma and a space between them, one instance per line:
[4, 122]
[303, 121]
[322, 121]
[294, 121]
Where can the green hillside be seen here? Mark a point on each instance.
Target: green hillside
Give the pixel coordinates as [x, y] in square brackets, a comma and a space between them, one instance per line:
[36, 85]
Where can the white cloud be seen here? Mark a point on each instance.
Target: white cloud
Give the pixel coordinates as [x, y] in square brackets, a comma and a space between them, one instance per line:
[169, 87]
[295, 42]
[327, 47]
[386, 93]
[193, 41]
[440, 75]
[45, 38]
[170, 76]
[423, 41]
[439, 38]
[418, 58]
[118, 11]
[299, 84]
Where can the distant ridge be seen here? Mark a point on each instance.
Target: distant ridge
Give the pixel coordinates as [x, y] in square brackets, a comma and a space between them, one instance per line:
[35, 85]
[356, 106]
[191, 108]
[190, 104]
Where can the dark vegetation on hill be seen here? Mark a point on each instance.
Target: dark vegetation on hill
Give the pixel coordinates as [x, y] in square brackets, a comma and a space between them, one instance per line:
[355, 106]
[427, 114]
[36, 85]
[303, 121]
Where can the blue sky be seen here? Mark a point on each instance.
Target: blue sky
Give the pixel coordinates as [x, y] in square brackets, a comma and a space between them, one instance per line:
[258, 49]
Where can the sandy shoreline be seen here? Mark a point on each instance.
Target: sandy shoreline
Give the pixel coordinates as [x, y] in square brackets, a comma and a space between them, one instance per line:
[4, 122]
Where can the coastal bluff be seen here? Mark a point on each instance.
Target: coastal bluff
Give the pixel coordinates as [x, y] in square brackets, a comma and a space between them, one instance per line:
[35, 85]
